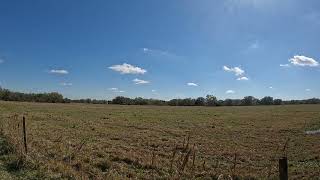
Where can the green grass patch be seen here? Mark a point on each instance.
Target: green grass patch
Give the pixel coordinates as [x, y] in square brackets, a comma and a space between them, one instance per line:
[14, 167]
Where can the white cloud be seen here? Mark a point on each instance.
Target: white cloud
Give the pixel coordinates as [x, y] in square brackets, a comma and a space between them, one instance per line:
[303, 61]
[116, 90]
[140, 81]
[58, 71]
[236, 70]
[308, 89]
[66, 84]
[284, 65]
[113, 89]
[192, 84]
[154, 92]
[156, 52]
[128, 69]
[243, 78]
[145, 50]
[270, 87]
[230, 92]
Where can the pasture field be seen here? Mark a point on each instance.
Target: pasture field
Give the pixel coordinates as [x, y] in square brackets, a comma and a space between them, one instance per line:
[82, 141]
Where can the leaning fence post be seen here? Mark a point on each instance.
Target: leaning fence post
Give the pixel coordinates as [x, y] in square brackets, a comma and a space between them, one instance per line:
[24, 134]
[283, 168]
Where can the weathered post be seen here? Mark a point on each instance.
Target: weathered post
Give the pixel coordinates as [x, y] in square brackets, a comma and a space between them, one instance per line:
[283, 168]
[24, 134]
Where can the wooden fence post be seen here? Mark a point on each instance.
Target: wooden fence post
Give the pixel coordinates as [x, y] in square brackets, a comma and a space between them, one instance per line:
[24, 134]
[283, 168]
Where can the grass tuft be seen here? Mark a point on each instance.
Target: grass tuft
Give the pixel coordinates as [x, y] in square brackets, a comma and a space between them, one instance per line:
[103, 165]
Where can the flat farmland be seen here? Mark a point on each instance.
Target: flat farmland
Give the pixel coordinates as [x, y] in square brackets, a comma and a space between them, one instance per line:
[82, 141]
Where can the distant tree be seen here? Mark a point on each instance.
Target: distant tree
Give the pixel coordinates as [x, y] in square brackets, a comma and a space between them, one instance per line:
[8, 95]
[122, 100]
[94, 101]
[55, 97]
[66, 100]
[118, 100]
[228, 102]
[188, 102]
[236, 102]
[173, 102]
[266, 100]
[312, 101]
[5, 94]
[220, 103]
[249, 101]
[292, 102]
[156, 102]
[140, 101]
[211, 100]
[200, 101]
[82, 100]
[277, 102]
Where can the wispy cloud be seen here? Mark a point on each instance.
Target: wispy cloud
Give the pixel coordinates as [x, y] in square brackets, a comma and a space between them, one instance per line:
[1, 61]
[254, 45]
[154, 92]
[140, 81]
[270, 87]
[113, 89]
[155, 51]
[284, 65]
[116, 90]
[243, 78]
[308, 90]
[128, 69]
[230, 92]
[58, 71]
[192, 84]
[145, 49]
[66, 84]
[162, 54]
[303, 61]
[236, 70]
[251, 47]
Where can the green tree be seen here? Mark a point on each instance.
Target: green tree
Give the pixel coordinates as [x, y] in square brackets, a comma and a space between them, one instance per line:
[211, 100]
[277, 102]
[249, 101]
[200, 101]
[266, 100]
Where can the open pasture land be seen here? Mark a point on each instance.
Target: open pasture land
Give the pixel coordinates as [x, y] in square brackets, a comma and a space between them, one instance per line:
[74, 141]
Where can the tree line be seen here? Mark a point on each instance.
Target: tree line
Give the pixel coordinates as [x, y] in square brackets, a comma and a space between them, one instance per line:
[54, 97]
[209, 100]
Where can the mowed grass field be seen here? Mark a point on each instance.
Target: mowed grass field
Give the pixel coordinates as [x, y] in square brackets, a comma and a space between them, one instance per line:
[81, 141]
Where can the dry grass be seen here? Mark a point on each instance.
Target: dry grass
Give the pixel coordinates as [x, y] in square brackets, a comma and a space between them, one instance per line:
[75, 141]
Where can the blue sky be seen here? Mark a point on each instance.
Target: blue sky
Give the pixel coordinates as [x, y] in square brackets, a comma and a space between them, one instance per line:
[161, 49]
